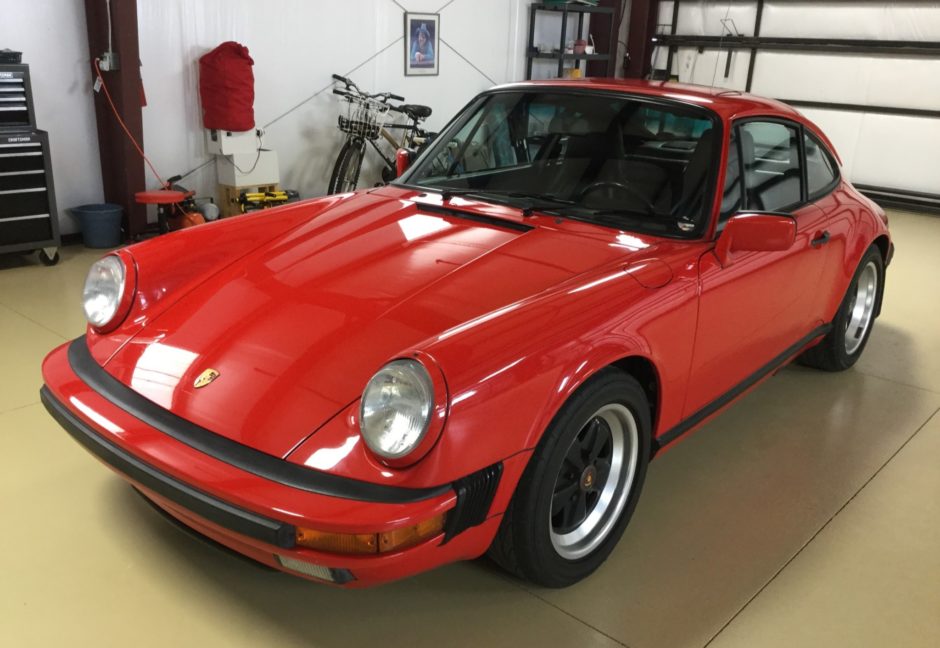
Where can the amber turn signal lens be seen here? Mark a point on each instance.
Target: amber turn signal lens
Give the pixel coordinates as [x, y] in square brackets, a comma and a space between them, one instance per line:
[346, 543]
[410, 536]
[370, 543]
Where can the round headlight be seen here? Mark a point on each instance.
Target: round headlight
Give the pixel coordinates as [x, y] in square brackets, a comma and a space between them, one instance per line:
[104, 289]
[396, 408]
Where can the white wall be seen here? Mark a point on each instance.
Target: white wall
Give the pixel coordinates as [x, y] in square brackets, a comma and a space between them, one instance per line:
[296, 45]
[877, 149]
[52, 36]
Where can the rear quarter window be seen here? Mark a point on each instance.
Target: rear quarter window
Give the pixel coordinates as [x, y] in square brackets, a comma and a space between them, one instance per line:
[821, 169]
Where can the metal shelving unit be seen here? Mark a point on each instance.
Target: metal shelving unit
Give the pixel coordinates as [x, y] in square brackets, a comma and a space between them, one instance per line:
[566, 10]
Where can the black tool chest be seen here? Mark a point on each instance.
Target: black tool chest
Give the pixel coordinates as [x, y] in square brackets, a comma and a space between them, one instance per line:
[28, 215]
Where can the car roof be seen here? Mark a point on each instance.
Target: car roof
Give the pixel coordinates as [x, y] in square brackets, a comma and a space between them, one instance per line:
[727, 103]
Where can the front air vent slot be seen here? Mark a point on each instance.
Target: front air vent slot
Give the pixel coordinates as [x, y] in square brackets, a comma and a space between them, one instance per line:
[474, 496]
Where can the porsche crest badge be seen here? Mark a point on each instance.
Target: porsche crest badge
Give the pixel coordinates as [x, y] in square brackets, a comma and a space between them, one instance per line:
[205, 378]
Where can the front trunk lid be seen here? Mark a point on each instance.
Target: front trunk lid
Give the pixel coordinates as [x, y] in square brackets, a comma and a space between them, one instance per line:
[296, 329]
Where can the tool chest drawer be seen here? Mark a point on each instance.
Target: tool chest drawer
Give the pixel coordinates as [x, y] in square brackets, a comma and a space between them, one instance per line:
[16, 97]
[28, 215]
[26, 229]
[22, 180]
[27, 159]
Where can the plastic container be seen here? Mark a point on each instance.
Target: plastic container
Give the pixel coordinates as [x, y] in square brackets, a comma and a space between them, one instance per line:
[101, 224]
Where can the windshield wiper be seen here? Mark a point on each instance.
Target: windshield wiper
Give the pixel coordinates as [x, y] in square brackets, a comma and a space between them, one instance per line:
[680, 222]
[540, 202]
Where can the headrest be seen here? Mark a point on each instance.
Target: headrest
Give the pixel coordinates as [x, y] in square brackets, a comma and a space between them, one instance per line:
[747, 148]
[569, 125]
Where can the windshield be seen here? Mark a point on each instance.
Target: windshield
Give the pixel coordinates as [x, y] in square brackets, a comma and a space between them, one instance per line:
[619, 160]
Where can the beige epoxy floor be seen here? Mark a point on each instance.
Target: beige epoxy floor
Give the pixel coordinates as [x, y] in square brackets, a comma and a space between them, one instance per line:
[806, 515]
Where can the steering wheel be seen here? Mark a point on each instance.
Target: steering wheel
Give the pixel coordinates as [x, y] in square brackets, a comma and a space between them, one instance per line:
[604, 184]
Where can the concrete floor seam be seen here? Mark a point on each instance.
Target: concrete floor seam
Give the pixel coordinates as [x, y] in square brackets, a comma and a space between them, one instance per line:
[898, 382]
[20, 407]
[569, 614]
[30, 319]
[822, 528]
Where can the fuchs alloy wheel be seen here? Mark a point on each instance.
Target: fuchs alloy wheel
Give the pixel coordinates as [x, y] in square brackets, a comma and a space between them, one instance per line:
[581, 485]
[594, 481]
[861, 307]
[852, 325]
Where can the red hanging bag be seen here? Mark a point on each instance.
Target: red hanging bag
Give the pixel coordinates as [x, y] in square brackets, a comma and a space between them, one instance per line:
[227, 88]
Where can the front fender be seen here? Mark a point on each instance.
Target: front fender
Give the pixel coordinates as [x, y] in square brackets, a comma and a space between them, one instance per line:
[508, 375]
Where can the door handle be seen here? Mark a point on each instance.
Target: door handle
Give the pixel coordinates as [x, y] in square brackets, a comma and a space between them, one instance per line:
[820, 240]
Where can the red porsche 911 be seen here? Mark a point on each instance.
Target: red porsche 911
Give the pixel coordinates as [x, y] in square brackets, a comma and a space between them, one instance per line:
[485, 354]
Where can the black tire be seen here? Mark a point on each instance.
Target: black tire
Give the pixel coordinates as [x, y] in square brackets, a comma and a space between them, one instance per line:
[842, 347]
[345, 174]
[530, 540]
[47, 260]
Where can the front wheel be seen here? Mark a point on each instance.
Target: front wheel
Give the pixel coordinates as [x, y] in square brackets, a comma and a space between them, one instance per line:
[852, 325]
[581, 485]
[345, 174]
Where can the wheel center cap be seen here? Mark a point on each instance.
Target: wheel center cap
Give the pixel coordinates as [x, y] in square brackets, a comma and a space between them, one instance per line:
[588, 477]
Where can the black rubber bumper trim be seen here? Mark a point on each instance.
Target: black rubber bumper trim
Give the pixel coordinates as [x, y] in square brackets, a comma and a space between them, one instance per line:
[231, 452]
[668, 437]
[201, 537]
[237, 519]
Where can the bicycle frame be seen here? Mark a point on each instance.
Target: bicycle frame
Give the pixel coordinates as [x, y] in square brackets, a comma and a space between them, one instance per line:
[365, 122]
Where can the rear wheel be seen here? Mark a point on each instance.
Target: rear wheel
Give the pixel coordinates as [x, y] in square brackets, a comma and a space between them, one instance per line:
[852, 325]
[581, 485]
[345, 174]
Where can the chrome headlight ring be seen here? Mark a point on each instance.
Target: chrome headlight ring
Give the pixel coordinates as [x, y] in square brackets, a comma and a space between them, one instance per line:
[108, 292]
[402, 410]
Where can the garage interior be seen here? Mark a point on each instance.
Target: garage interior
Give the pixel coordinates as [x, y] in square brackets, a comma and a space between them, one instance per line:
[805, 515]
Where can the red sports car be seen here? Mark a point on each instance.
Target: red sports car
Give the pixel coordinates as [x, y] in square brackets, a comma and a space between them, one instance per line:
[485, 354]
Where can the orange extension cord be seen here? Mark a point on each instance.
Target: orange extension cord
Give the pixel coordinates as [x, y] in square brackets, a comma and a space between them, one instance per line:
[127, 132]
[117, 115]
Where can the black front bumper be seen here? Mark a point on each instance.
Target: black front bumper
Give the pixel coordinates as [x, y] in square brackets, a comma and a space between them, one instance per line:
[248, 523]
[475, 492]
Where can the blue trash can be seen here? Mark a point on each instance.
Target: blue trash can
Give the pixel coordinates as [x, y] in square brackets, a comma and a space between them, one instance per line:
[101, 224]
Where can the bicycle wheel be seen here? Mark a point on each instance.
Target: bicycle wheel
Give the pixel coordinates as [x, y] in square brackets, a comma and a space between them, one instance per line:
[348, 164]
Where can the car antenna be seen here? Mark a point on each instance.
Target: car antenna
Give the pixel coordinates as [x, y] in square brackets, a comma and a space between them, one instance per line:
[725, 30]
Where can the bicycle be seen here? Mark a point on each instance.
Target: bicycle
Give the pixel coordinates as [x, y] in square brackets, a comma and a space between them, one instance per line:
[364, 122]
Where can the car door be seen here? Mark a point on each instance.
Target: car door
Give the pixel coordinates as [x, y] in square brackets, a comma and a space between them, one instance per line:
[764, 303]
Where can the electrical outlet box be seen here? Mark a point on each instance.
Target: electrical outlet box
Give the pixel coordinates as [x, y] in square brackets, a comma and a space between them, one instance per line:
[108, 62]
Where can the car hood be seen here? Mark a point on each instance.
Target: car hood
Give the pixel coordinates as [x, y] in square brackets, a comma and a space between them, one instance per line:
[298, 326]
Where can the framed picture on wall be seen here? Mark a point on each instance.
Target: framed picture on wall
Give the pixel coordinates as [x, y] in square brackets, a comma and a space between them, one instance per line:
[422, 41]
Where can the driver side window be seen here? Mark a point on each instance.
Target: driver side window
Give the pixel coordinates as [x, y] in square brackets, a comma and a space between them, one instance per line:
[772, 176]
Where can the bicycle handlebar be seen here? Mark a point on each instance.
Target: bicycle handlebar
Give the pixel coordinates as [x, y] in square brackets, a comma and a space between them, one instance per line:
[350, 85]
